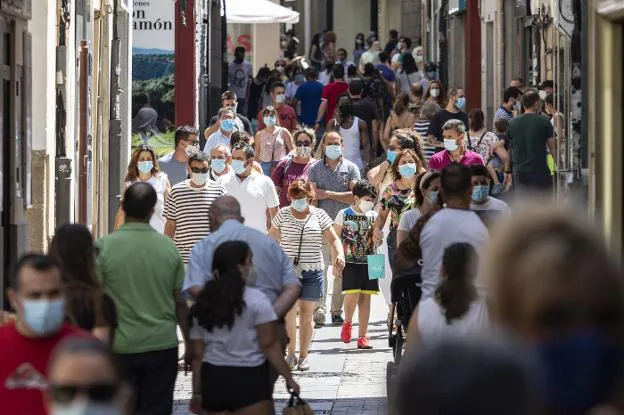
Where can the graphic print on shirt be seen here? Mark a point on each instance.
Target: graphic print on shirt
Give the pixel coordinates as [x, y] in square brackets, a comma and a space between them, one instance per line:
[26, 377]
[357, 236]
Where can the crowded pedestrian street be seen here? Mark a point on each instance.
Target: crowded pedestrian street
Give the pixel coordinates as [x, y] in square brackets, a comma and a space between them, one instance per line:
[299, 207]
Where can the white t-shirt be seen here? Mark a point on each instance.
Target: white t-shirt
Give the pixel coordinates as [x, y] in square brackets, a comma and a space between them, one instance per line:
[446, 227]
[223, 178]
[491, 203]
[290, 235]
[256, 193]
[351, 142]
[433, 327]
[408, 219]
[159, 183]
[238, 346]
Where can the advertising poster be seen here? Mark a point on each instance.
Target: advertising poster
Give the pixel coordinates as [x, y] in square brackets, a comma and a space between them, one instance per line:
[153, 67]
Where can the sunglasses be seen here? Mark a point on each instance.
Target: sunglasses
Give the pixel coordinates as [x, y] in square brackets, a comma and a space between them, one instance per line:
[303, 143]
[145, 147]
[104, 392]
[198, 170]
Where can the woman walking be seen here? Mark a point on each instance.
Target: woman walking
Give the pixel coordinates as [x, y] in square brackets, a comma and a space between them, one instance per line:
[401, 117]
[426, 201]
[273, 142]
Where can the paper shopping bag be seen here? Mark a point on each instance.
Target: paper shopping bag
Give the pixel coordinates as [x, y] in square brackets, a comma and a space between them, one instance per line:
[376, 266]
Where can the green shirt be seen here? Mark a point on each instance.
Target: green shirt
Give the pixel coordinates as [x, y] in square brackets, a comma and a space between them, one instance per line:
[528, 134]
[140, 269]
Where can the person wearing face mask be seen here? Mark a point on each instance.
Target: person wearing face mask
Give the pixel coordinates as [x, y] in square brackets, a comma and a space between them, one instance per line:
[429, 70]
[455, 151]
[143, 167]
[36, 294]
[285, 113]
[487, 207]
[454, 111]
[418, 55]
[280, 66]
[301, 230]
[295, 80]
[404, 47]
[85, 379]
[355, 227]
[188, 205]
[220, 160]
[240, 73]
[255, 192]
[186, 141]
[296, 166]
[227, 125]
[273, 142]
[333, 178]
[510, 105]
[426, 191]
[435, 94]
[371, 55]
[308, 98]
[358, 49]
[330, 95]
[241, 123]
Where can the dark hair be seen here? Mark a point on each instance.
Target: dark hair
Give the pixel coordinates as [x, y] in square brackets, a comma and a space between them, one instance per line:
[457, 291]
[139, 201]
[342, 50]
[423, 182]
[394, 34]
[351, 71]
[550, 98]
[338, 72]
[360, 46]
[364, 188]
[530, 98]
[476, 119]
[478, 170]
[311, 73]
[222, 111]
[409, 63]
[39, 262]
[519, 79]
[442, 97]
[455, 180]
[369, 69]
[198, 156]
[345, 107]
[549, 83]
[83, 344]
[316, 40]
[329, 64]
[356, 86]
[401, 103]
[239, 137]
[409, 140]
[248, 150]
[511, 92]
[227, 95]
[501, 125]
[221, 299]
[239, 49]
[383, 56]
[263, 72]
[183, 133]
[133, 169]
[277, 84]
[400, 154]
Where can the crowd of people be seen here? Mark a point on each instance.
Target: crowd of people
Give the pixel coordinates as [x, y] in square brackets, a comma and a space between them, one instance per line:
[233, 239]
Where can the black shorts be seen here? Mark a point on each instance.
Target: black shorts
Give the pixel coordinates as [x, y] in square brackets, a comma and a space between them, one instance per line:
[355, 280]
[230, 388]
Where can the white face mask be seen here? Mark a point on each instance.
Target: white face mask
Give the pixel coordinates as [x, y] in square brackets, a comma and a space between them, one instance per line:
[303, 152]
[189, 149]
[434, 92]
[542, 95]
[366, 205]
[199, 178]
[280, 98]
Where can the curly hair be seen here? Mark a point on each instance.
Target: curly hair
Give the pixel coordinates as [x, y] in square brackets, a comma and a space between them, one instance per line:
[300, 188]
[408, 137]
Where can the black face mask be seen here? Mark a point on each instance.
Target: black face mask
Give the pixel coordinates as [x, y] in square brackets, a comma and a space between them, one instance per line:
[238, 58]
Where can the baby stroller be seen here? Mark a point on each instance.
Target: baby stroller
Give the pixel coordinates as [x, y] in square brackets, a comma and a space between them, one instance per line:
[405, 292]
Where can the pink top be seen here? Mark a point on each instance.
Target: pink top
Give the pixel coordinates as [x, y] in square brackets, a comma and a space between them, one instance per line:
[272, 145]
[442, 159]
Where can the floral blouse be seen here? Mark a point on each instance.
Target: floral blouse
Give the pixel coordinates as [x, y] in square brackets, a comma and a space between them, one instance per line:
[398, 201]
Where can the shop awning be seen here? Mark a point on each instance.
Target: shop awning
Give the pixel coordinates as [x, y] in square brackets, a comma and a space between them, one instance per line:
[258, 11]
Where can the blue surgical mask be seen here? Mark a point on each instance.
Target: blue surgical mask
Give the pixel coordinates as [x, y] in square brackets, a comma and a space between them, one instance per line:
[407, 171]
[44, 317]
[460, 103]
[480, 193]
[227, 125]
[432, 197]
[450, 144]
[580, 370]
[238, 166]
[269, 121]
[145, 166]
[299, 205]
[85, 408]
[217, 165]
[333, 152]
[391, 156]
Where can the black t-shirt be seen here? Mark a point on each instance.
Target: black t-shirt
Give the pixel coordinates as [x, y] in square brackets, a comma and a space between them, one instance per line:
[83, 311]
[441, 117]
[242, 118]
[255, 94]
[366, 110]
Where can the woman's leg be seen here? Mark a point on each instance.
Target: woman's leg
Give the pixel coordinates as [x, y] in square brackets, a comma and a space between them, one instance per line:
[258, 408]
[350, 301]
[306, 327]
[364, 302]
[291, 329]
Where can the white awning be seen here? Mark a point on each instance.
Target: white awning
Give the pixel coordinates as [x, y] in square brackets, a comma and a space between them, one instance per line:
[258, 11]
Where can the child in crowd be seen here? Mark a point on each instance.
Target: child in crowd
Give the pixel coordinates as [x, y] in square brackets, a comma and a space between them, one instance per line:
[355, 226]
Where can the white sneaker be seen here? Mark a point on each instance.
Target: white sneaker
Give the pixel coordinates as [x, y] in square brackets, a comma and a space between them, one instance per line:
[291, 361]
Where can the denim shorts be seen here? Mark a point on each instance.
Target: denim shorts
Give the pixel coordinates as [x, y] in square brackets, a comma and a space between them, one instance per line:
[312, 285]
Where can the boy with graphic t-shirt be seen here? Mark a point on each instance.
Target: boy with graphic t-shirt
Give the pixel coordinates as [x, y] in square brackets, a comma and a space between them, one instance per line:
[355, 226]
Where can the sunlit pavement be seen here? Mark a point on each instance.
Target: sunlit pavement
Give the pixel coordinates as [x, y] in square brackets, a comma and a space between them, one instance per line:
[342, 380]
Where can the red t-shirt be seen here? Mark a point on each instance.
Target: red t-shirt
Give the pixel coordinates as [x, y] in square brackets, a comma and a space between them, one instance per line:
[331, 92]
[23, 369]
[287, 118]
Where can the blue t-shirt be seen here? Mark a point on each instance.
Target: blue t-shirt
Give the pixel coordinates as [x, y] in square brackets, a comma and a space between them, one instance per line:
[387, 72]
[309, 94]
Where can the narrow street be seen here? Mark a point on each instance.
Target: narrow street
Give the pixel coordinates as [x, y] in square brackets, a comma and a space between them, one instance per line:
[342, 380]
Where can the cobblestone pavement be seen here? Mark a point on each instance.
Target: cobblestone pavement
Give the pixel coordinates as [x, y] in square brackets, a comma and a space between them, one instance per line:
[342, 380]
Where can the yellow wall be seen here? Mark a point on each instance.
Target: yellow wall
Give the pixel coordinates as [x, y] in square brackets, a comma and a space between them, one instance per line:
[350, 18]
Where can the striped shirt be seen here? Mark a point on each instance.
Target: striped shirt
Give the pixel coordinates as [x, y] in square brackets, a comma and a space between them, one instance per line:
[503, 113]
[290, 234]
[188, 207]
[421, 128]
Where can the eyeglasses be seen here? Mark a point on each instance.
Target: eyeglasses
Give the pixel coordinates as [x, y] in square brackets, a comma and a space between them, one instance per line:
[104, 392]
[198, 170]
[303, 143]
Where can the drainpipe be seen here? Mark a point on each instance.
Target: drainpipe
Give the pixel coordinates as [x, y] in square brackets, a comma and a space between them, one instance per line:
[114, 132]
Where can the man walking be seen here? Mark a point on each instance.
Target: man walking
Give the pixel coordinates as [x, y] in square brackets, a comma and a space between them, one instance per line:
[239, 77]
[309, 95]
[174, 164]
[454, 111]
[365, 109]
[227, 118]
[143, 273]
[331, 93]
[241, 123]
[220, 160]
[285, 113]
[188, 205]
[333, 177]
[511, 104]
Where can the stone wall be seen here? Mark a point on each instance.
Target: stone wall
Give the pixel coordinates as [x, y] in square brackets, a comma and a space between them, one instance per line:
[37, 216]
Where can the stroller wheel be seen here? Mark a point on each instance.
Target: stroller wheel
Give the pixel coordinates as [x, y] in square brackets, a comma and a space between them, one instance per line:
[397, 349]
[390, 374]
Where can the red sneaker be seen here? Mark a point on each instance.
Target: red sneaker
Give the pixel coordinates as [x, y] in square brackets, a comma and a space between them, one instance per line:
[345, 333]
[362, 343]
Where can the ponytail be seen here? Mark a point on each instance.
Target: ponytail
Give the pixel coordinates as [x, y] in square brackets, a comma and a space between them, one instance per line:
[457, 291]
[220, 301]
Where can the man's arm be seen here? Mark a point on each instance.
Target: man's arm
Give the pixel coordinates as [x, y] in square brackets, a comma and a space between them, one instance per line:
[170, 228]
[321, 112]
[182, 314]
[552, 147]
[365, 143]
[199, 270]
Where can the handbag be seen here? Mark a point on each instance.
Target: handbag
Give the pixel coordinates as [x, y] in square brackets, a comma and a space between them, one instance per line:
[376, 266]
[297, 406]
[298, 269]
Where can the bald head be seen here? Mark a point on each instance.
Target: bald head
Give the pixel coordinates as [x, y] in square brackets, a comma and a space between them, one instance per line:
[139, 201]
[222, 209]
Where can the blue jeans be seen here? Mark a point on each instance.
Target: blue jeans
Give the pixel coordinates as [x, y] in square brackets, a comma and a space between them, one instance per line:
[312, 285]
[267, 167]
